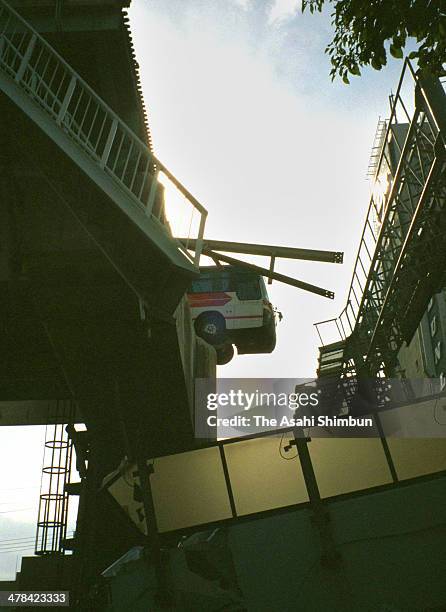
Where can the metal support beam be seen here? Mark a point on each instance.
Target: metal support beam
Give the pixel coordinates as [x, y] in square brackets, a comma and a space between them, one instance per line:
[288, 280]
[330, 556]
[163, 596]
[267, 250]
[433, 93]
[271, 269]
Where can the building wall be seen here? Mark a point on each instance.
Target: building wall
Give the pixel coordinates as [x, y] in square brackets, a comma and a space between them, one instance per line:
[425, 356]
[393, 553]
[411, 358]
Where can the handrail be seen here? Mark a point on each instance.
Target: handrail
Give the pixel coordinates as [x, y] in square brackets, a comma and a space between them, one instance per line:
[76, 109]
[368, 225]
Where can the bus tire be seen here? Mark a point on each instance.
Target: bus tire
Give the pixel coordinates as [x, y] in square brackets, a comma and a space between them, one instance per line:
[224, 354]
[211, 327]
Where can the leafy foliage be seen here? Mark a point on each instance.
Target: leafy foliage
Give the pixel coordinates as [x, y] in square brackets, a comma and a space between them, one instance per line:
[363, 27]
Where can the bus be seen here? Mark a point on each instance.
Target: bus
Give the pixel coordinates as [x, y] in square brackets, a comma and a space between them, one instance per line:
[230, 306]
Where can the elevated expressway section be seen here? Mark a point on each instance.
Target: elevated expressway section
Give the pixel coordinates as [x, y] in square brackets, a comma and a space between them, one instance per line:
[92, 279]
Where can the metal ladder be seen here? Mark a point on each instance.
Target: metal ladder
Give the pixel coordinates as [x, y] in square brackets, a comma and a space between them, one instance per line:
[56, 470]
[57, 99]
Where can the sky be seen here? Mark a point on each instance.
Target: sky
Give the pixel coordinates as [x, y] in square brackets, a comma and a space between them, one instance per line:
[242, 110]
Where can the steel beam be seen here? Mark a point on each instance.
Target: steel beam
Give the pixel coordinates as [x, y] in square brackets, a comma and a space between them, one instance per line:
[267, 250]
[288, 280]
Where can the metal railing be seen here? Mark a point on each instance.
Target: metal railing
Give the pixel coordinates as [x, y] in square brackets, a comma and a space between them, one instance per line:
[76, 109]
[413, 130]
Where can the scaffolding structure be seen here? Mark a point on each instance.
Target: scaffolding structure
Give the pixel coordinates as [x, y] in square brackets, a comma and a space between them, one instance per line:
[402, 253]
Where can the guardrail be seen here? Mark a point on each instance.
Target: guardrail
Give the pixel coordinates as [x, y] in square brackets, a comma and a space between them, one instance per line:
[77, 110]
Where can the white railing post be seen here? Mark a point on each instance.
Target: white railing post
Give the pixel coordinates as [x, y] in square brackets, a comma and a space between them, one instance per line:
[109, 143]
[152, 193]
[25, 60]
[66, 100]
[199, 241]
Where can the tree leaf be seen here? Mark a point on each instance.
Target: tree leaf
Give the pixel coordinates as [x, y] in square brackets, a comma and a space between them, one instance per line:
[365, 31]
[376, 64]
[396, 51]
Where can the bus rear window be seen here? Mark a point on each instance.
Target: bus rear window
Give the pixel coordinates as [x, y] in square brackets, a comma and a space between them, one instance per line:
[201, 285]
[212, 284]
[248, 288]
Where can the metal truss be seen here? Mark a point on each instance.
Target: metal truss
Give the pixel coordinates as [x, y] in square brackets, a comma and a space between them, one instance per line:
[401, 260]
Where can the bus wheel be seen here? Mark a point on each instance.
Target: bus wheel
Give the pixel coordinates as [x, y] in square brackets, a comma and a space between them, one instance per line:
[224, 354]
[211, 327]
